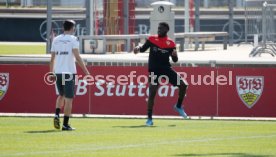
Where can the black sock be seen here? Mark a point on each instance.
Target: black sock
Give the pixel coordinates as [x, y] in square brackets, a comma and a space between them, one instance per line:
[179, 103]
[57, 112]
[149, 114]
[65, 120]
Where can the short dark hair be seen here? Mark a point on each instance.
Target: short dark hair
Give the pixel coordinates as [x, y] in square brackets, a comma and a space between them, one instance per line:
[68, 25]
[165, 25]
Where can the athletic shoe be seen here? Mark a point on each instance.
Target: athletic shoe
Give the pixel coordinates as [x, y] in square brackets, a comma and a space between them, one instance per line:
[56, 123]
[149, 122]
[180, 111]
[67, 128]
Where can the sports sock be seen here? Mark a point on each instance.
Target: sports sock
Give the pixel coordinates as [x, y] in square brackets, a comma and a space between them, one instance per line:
[57, 112]
[179, 103]
[65, 120]
[181, 94]
[149, 114]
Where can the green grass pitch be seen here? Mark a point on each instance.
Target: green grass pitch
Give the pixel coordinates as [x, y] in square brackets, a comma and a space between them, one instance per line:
[22, 49]
[100, 137]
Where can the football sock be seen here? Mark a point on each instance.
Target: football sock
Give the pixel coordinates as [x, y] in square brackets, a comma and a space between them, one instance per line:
[181, 94]
[179, 103]
[149, 114]
[57, 112]
[65, 120]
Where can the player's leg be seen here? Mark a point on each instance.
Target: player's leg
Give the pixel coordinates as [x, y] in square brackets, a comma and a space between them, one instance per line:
[182, 92]
[152, 92]
[59, 104]
[153, 87]
[67, 113]
[59, 101]
[176, 80]
[69, 95]
[60, 98]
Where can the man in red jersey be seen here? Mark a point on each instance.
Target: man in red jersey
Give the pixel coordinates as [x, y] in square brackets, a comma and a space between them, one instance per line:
[161, 49]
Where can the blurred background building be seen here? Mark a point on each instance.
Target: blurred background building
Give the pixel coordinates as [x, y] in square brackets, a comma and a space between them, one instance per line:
[138, 3]
[25, 20]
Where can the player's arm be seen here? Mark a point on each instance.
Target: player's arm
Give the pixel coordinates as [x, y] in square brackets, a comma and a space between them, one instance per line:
[80, 61]
[143, 48]
[174, 55]
[52, 62]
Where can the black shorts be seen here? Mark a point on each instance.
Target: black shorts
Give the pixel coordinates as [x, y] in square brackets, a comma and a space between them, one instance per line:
[67, 87]
[168, 74]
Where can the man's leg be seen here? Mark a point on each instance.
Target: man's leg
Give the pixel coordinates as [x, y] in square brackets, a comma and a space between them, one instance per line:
[69, 95]
[59, 104]
[67, 111]
[176, 80]
[152, 92]
[181, 94]
[59, 101]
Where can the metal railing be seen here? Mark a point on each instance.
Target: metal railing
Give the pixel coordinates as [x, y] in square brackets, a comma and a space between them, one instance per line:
[253, 18]
[267, 45]
[130, 39]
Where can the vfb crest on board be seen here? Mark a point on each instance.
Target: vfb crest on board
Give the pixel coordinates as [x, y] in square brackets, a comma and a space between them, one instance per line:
[250, 89]
[4, 84]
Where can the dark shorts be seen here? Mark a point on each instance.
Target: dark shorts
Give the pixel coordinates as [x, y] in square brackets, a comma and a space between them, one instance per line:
[169, 75]
[65, 88]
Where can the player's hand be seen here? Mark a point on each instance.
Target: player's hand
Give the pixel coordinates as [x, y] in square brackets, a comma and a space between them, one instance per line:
[174, 53]
[87, 76]
[136, 49]
[87, 73]
[52, 78]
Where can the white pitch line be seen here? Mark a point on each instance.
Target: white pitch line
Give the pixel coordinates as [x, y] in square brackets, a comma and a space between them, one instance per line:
[119, 146]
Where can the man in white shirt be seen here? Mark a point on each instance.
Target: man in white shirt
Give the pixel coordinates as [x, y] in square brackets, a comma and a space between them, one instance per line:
[64, 53]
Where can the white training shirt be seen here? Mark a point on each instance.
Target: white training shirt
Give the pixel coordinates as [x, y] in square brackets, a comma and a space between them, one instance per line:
[64, 59]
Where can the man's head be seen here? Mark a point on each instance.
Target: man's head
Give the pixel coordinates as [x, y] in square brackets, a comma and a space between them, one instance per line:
[163, 29]
[69, 26]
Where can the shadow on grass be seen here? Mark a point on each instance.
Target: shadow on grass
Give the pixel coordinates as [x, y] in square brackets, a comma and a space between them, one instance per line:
[172, 125]
[42, 131]
[225, 154]
[138, 126]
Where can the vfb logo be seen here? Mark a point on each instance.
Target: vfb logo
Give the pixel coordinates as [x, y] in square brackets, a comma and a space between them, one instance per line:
[250, 89]
[4, 84]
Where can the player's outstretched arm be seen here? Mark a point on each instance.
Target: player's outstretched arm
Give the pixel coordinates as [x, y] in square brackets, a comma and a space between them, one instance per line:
[136, 49]
[80, 61]
[143, 48]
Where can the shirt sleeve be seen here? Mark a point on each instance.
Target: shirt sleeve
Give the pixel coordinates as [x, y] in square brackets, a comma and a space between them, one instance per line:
[145, 46]
[76, 43]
